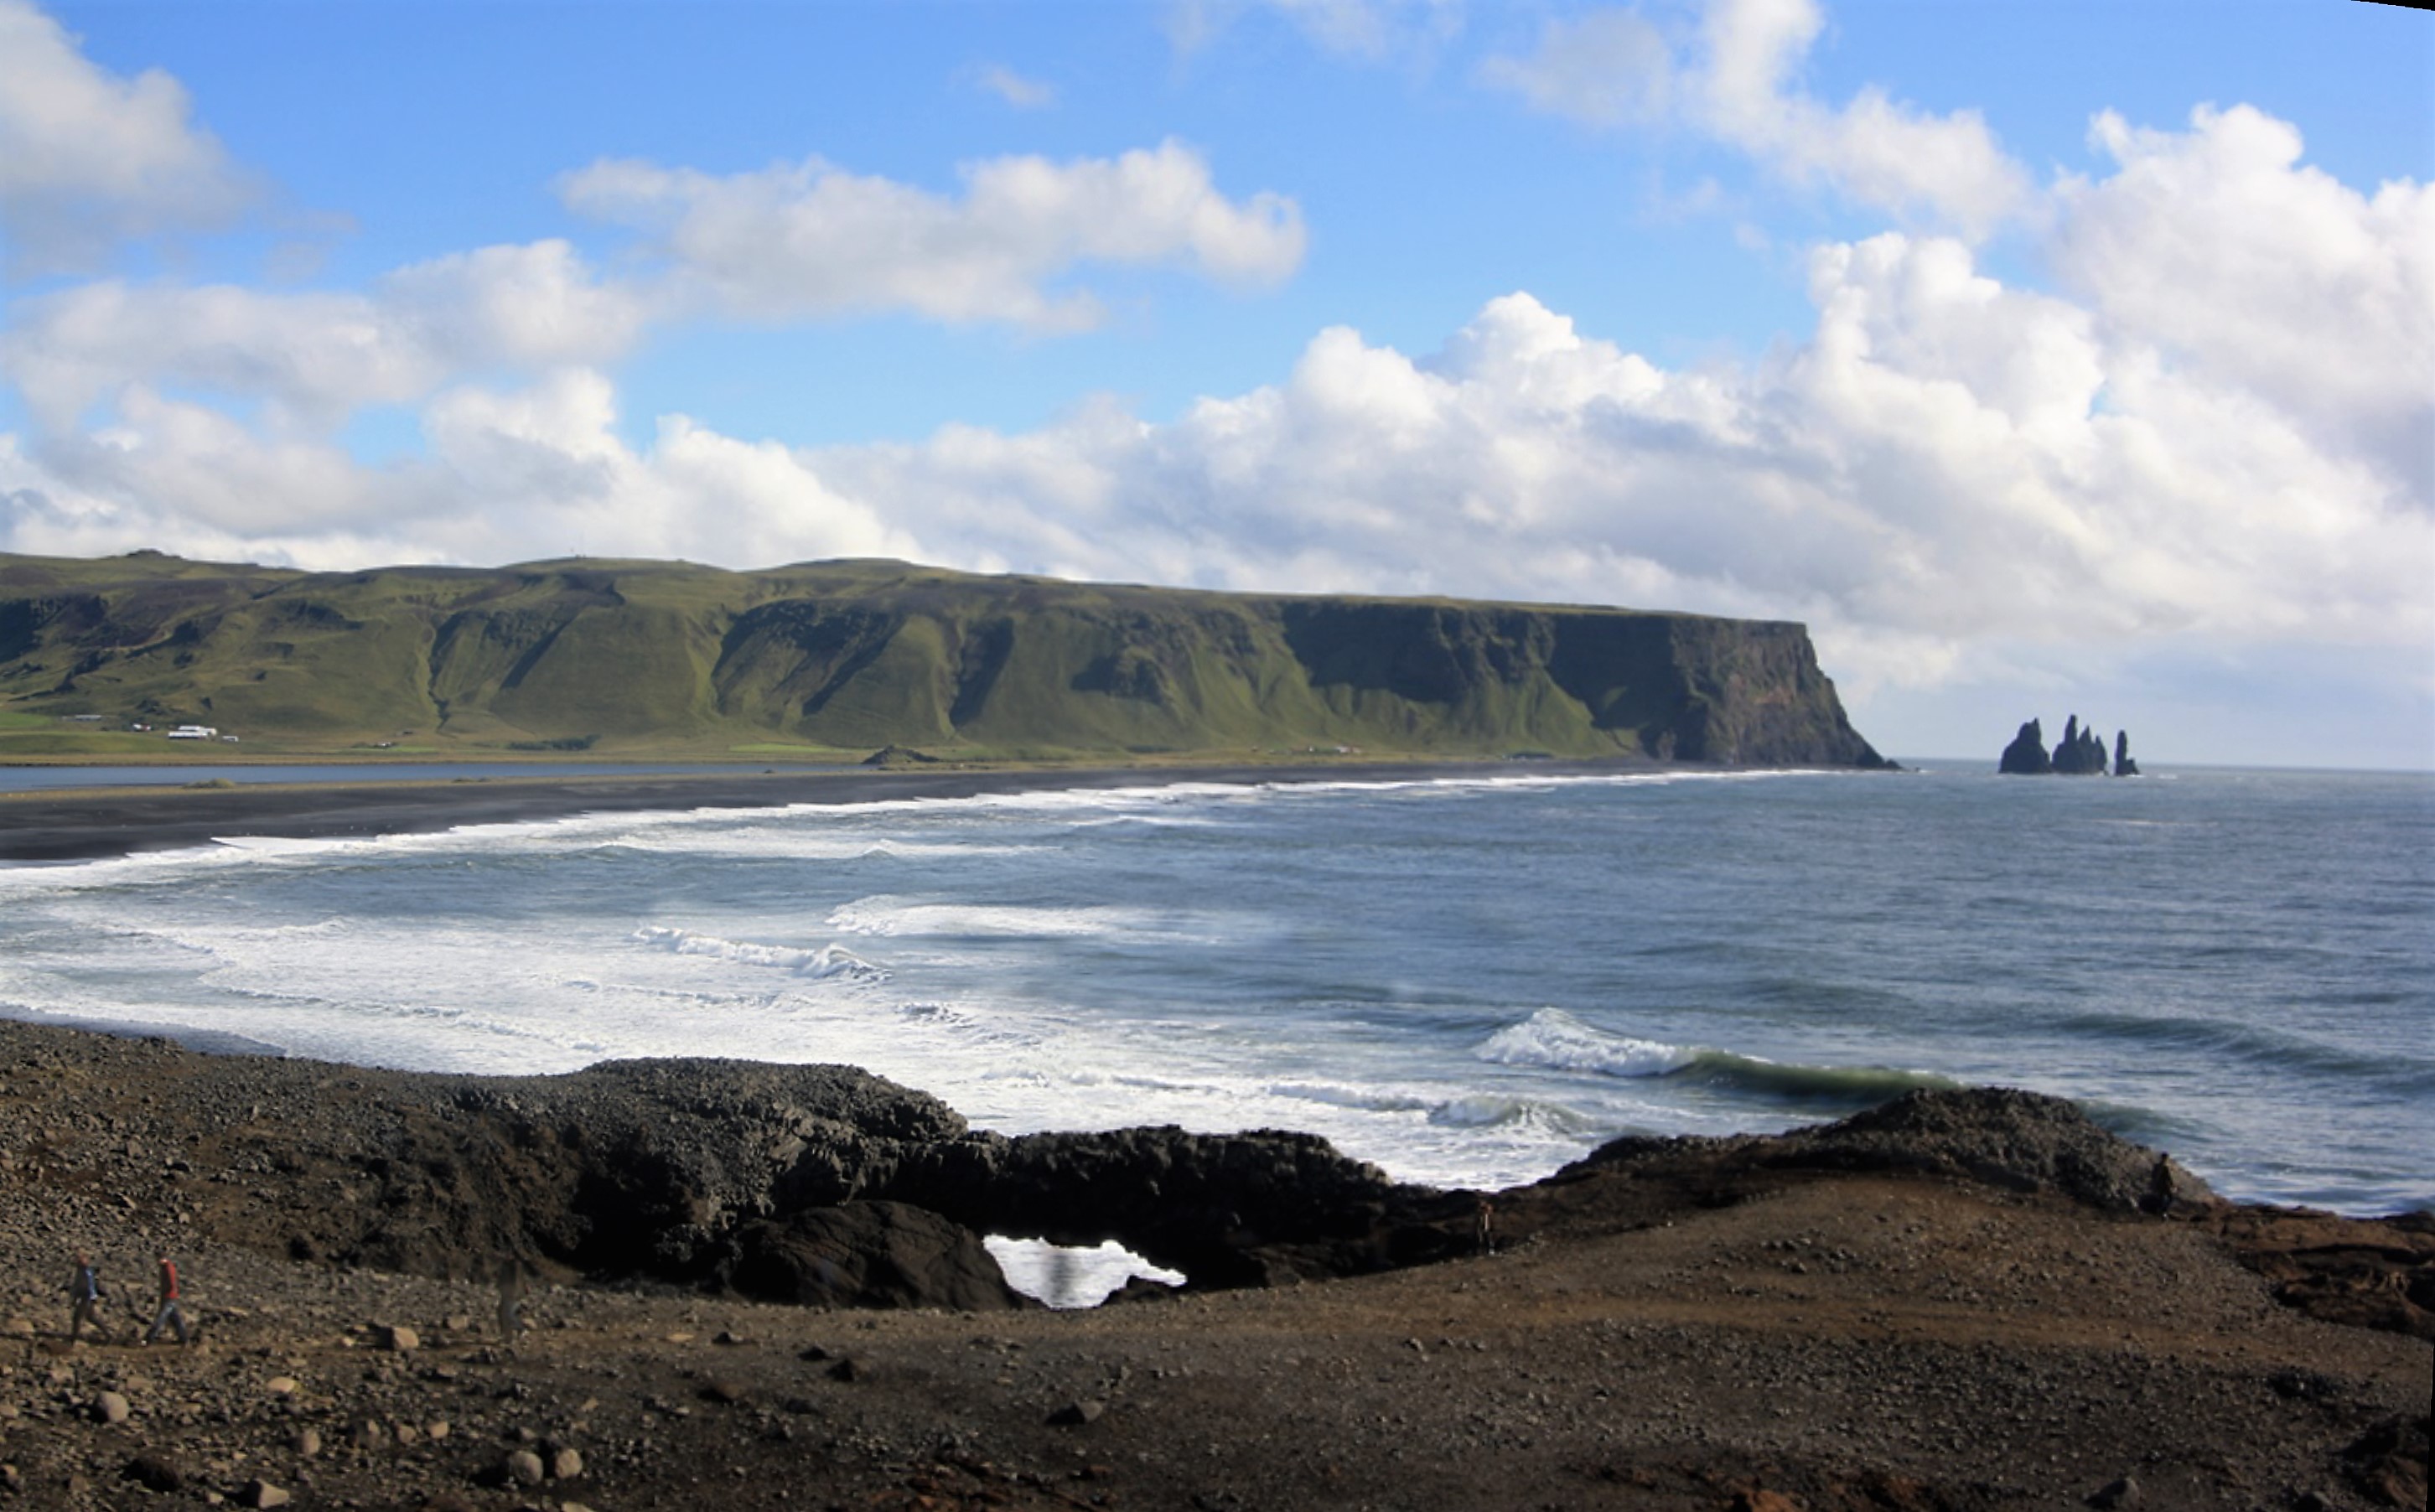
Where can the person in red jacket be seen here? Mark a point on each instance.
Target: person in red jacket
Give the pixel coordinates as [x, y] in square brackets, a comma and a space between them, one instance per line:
[170, 1314]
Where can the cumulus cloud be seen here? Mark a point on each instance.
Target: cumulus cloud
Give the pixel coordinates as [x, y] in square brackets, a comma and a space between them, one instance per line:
[316, 357]
[810, 239]
[2234, 258]
[1737, 80]
[88, 158]
[508, 474]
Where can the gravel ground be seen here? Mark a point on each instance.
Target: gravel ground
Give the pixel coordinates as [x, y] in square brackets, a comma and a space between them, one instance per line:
[1844, 1341]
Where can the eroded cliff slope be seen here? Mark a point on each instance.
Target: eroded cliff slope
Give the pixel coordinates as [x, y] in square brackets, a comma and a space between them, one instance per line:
[857, 655]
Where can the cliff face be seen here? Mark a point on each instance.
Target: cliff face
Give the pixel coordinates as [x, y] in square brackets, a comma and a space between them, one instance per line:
[852, 655]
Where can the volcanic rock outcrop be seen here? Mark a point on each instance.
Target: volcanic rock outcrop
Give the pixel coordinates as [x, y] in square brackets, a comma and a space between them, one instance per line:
[2079, 753]
[2026, 755]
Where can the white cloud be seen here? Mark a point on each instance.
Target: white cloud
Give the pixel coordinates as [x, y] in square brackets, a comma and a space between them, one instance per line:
[810, 239]
[88, 158]
[1737, 82]
[1022, 92]
[2217, 245]
[316, 357]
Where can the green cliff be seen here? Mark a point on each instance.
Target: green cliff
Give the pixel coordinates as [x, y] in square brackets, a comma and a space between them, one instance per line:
[850, 655]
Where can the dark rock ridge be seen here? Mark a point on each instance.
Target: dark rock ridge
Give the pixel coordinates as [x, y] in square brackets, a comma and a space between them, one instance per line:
[826, 1186]
[856, 655]
[2079, 753]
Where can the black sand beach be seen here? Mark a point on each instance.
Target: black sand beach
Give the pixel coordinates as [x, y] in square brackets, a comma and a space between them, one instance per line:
[79, 824]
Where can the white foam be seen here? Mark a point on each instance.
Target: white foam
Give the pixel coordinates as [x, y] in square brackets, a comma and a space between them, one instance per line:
[1555, 1040]
[891, 915]
[825, 960]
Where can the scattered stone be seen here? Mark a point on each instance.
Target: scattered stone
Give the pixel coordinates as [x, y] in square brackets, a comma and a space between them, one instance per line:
[369, 1435]
[457, 1322]
[848, 1368]
[566, 1465]
[2117, 1493]
[261, 1493]
[13, 1480]
[155, 1472]
[110, 1407]
[436, 1430]
[729, 1338]
[523, 1467]
[308, 1442]
[1076, 1414]
[723, 1391]
[397, 1337]
[281, 1385]
[812, 1352]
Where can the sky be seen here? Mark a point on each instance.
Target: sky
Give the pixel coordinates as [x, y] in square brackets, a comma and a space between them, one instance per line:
[2044, 356]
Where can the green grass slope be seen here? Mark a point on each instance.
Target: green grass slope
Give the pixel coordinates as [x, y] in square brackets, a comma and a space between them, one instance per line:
[850, 655]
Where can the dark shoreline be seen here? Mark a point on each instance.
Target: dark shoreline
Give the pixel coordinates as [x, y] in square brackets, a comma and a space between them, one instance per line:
[1807, 1320]
[82, 824]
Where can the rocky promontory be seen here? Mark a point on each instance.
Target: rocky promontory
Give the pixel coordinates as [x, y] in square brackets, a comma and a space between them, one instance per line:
[758, 1286]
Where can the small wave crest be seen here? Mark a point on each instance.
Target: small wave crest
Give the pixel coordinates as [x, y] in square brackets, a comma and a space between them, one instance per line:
[1552, 1040]
[825, 961]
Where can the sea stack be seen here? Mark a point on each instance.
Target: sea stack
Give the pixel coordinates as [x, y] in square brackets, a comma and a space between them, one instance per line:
[2026, 755]
[2081, 754]
[2123, 765]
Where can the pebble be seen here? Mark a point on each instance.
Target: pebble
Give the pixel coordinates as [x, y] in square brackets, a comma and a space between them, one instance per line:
[398, 1338]
[566, 1465]
[523, 1467]
[259, 1493]
[110, 1407]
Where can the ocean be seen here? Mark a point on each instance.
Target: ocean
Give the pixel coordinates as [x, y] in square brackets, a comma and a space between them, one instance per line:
[1469, 982]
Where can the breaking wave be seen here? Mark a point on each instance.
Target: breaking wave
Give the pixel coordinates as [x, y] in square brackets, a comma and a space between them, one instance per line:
[1552, 1040]
[826, 961]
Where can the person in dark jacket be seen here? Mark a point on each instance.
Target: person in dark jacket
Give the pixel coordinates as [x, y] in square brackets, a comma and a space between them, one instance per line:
[84, 1300]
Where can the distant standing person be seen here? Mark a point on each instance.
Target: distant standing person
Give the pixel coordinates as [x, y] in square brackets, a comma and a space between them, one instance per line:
[1484, 1230]
[170, 1313]
[84, 1298]
[512, 1297]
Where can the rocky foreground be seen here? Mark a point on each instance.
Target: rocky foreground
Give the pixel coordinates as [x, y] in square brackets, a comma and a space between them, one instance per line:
[753, 1286]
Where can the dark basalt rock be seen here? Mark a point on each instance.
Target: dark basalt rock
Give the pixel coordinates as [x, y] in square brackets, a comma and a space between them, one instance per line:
[1997, 1135]
[870, 1254]
[2026, 755]
[2081, 754]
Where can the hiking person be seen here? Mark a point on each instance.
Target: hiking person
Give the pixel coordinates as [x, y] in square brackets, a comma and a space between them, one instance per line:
[84, 1298]
[170, 1314]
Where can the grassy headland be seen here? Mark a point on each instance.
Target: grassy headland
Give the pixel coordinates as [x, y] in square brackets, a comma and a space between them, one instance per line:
[832, 660]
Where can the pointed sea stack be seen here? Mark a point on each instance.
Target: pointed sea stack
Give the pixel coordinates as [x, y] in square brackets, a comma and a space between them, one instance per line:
[2081, 754]
[2026, 755]
[2123, 765]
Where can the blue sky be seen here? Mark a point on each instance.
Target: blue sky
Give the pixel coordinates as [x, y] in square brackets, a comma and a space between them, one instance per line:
[2042, 357]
